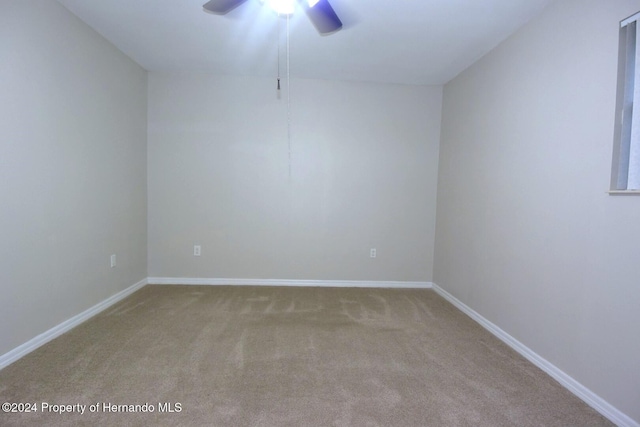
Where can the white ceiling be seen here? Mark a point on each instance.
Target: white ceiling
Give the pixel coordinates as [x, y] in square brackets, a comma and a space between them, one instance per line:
[396, 41]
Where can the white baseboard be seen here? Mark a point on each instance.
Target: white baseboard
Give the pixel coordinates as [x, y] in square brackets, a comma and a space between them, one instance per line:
[279, 282]
[596, 402]
[18, 352]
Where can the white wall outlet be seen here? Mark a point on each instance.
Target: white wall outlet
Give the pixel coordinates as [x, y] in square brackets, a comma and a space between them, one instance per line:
[372, 253]
[196, 250]
[113, 260]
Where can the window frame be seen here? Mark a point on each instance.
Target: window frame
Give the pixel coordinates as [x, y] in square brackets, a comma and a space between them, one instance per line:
[623, 113]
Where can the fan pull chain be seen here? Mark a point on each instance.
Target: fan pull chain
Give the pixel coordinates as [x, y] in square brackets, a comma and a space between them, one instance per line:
[278, 62]
[288, 98]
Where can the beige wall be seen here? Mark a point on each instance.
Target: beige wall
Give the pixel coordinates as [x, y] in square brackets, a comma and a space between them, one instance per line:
[72, 169]
[526, 235]
[363, 175]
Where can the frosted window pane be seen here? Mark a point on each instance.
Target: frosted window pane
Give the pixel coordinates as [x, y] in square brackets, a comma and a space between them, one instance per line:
[633, 182]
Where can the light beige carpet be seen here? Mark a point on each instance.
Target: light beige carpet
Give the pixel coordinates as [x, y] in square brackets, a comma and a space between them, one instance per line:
[256, 356]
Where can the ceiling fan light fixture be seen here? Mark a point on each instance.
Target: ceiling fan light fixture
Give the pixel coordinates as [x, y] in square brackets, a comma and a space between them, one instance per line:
[282, 7]
[320, 12]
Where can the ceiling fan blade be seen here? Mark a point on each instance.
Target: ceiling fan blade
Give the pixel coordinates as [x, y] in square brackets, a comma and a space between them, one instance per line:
[221, 7]
[323, 17]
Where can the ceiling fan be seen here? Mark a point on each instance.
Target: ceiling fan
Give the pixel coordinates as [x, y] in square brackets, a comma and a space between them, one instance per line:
[320, 12]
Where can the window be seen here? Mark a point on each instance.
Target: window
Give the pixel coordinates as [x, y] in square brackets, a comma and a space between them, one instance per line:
[626, 155]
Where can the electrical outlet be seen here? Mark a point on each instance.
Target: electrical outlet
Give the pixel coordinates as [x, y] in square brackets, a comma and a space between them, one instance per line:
[372, 253]
[196, 250]
[113, 260]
